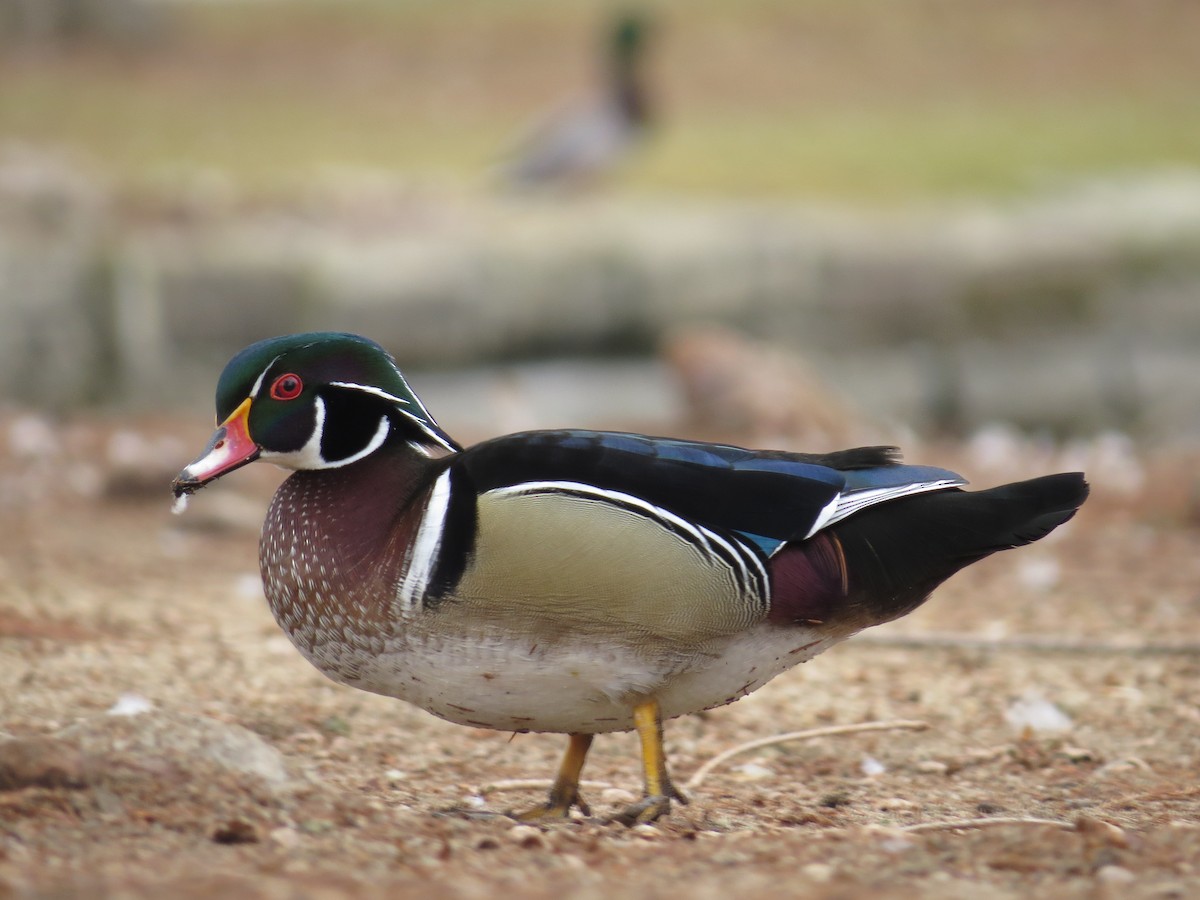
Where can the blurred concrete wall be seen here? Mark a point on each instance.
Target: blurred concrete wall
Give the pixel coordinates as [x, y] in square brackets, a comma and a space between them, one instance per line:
[1081, 310]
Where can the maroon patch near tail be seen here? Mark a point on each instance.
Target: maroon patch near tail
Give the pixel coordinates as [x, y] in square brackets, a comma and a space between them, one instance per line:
[808, 582]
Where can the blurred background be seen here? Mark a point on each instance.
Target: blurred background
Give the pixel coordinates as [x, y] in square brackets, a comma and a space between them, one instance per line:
[970, 228]
[765, 218]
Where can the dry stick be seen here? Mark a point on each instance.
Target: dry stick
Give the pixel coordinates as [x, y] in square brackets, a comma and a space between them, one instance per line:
[952, 640]
[956, 824]
[897, 724]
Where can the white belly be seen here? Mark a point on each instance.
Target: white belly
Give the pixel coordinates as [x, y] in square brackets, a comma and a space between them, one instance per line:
[573, 685]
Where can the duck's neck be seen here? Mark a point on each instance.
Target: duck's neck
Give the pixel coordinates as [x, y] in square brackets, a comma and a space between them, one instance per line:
[332, 536]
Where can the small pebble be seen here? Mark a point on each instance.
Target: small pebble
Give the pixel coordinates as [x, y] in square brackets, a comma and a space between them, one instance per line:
[285, 837]
[571, 862]
[1115, 875]
[899, 843]
[235, 831]
[871, 767]
[1101, 832]
[527, 836]
[1035, 713]
[40, 762]
[932, 767]
[618, 796]
[130, 704]
[897, 803]
[1078, 754]
[818, 872]
[753, 772]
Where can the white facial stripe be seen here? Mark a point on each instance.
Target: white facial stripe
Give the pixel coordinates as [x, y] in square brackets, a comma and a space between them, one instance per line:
[419, 448]
[433, 435]
[309, 456]
[416, 420]
[426, 546]
[374, 444]
[261, 375]
[368, 389]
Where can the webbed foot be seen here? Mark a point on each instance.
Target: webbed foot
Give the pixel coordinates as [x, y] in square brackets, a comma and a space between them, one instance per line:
[564, 794]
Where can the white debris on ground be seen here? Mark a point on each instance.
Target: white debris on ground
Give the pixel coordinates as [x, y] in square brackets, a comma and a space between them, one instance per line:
[130, 704]
[1035, 713]
[753, 771]
[871, 767]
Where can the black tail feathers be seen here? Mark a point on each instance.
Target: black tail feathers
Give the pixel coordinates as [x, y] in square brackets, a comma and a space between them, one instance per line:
[1026, 511]
[896, 553]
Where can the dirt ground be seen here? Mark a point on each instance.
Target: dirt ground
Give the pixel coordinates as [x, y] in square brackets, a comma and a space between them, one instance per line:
[250, 775]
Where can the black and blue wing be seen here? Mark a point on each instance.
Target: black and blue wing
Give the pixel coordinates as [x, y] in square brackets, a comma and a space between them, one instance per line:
[766, 496]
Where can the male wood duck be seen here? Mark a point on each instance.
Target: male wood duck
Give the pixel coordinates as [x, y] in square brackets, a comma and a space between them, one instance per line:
[580, 582]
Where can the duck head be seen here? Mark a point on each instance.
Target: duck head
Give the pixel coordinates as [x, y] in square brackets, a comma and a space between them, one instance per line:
[311, 401]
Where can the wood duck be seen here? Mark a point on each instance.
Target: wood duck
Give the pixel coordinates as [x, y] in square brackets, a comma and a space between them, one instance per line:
[583, 142]
[580, 582]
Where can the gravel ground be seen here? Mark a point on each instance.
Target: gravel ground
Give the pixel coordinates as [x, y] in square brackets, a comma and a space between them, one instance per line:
[166, 740]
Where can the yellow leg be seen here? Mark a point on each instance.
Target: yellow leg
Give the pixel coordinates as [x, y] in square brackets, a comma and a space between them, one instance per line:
[647, 718]
[564, 793]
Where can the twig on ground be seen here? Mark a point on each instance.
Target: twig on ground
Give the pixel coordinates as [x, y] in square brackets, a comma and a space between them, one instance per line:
[1027, 643]
[957, 824]
[897, 724]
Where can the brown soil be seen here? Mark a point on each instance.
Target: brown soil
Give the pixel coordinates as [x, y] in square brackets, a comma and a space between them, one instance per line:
[103, 593]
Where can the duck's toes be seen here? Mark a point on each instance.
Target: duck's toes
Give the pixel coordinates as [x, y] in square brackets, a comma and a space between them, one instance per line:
[550, 811]
[648, 809]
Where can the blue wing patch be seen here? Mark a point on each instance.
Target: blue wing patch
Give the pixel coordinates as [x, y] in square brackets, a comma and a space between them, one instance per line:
[768, 545]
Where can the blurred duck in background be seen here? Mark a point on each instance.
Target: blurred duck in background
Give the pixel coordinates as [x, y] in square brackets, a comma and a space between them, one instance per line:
[586, 141]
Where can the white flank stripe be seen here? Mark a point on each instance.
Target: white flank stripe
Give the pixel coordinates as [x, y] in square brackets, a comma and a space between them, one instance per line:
[846, 505]
[745, 558]
[823, 516]
[704, 539]
[425, 547]
[657, 512]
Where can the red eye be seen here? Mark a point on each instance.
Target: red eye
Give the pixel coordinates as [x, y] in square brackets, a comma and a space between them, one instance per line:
[286, 387]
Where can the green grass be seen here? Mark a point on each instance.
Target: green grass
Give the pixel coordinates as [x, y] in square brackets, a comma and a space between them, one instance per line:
[919, 152]
[867, 101]
[267, 140]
